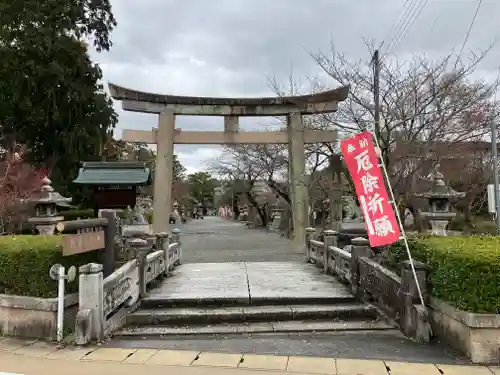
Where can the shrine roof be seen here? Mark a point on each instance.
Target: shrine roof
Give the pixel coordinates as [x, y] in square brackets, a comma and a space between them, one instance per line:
[113, 173]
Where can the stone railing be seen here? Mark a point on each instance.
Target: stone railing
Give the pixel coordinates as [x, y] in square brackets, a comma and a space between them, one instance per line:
[327, 255]
[105, 302]
[396, 296]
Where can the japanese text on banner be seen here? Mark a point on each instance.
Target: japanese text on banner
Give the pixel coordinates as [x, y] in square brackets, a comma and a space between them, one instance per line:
[362, 161]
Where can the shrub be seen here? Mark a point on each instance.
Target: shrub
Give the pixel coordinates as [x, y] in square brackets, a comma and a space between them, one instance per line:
[149, 216]
[78, 214]
[478, 226]
[25, 262]
[463, 271]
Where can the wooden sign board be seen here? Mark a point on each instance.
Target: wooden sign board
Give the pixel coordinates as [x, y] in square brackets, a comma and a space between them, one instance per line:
[82, 242]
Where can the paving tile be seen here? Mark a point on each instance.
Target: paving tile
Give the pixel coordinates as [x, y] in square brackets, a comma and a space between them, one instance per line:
[402, 368]
[141, 356]
[291, 280]
[311, 365]
[361, 366]
[172, 358]
[264, 362]
[464, 370]
[218, 360]
[8, 344]
[205, 281]
[70, 354]
[109, 355]
[38, 349]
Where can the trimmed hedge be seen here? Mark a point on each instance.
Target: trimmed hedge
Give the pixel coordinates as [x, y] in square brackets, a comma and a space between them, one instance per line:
[463, 271]
[25, 262]
[78, 214]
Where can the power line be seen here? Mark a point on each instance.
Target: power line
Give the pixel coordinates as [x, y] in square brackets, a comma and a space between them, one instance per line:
[417, 9]
[396, 23]
[405, 9]
[409, 11]
[480, 2]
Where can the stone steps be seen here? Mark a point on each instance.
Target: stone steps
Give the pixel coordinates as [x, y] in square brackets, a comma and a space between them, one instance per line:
[241, 314]
[173, 301]
[155, 331]
[157, 322]
[249, 297]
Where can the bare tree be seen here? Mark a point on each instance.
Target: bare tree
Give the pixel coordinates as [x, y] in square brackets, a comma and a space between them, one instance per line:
[244, 166]
[427, 109]
[268, 164]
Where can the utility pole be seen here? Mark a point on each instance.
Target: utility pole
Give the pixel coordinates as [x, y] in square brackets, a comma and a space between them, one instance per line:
[376, 91]
[336, 193]
[496, 172]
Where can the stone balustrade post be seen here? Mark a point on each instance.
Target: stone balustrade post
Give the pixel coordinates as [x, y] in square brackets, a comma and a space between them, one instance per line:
[414, 317]
[360, 249]
[310, 233]
[408, 283]
[89, 323]
[140, 248]
[162, 244]
[176, 238]
[329, 239]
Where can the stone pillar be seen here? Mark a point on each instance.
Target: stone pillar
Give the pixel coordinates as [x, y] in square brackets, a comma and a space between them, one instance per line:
[297, 177]
[310, 232]
[408, 284]
[161, 240]
[360, 248]
[176, 238]
[163, 172]
[140, 248]
[414, 316]
[329, 239]
[162, 244]
[90, 317]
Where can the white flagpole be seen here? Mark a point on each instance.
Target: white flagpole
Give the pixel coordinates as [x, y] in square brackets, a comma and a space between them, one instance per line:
[376, 129]
[398, 217]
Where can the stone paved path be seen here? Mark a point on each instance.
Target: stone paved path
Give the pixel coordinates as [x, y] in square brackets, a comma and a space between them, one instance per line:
[246, 282]
[362, 345]
[39, 358]
[216, 240]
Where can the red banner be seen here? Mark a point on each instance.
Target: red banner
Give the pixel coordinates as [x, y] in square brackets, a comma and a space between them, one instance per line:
[363, 164]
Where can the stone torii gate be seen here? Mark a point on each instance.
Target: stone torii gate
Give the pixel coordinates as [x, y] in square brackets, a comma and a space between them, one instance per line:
[168, 106]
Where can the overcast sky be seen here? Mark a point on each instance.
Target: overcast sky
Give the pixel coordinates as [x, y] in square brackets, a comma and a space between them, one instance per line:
[232, 47]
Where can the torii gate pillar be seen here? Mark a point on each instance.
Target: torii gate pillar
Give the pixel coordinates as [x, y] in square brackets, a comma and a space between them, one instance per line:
[297, 176]
[162, 200]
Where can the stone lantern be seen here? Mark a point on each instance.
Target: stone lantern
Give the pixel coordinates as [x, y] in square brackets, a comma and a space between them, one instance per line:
[440, 197]
[46, 215]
